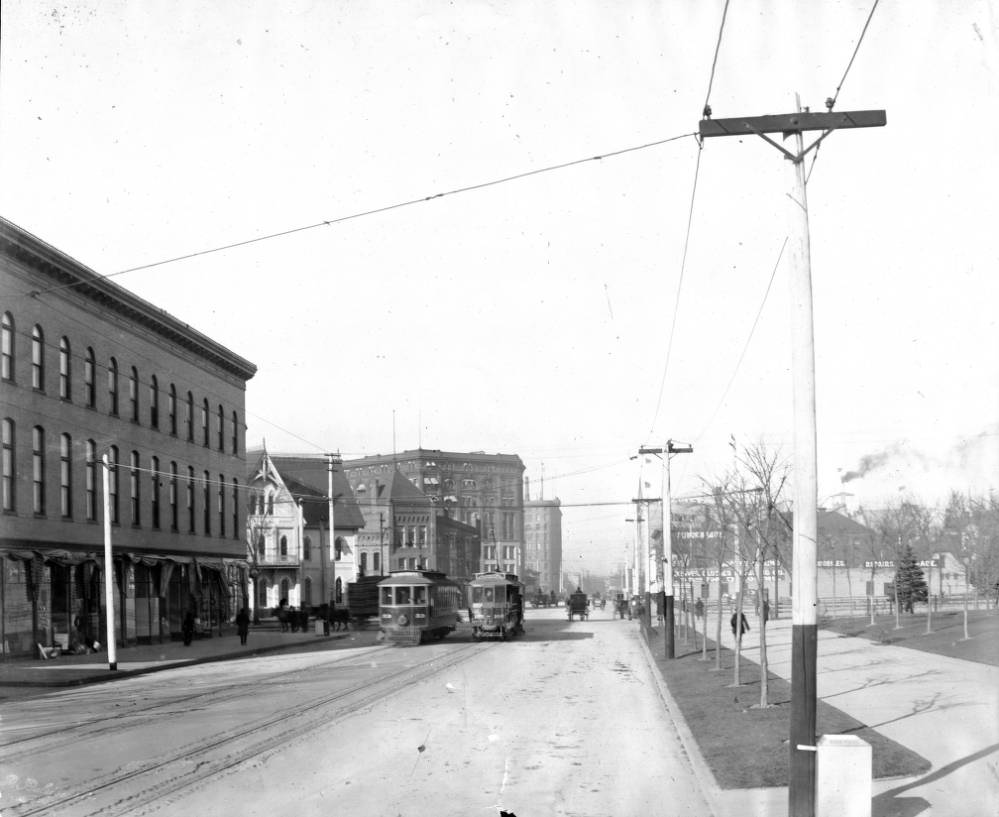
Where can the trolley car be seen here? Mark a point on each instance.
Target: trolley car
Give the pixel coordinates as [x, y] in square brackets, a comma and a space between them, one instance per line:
[416, 605]
[497, 604]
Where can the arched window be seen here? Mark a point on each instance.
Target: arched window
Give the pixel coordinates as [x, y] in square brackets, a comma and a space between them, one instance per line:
[220, 422]
[376, 561]
[66, 476]
[338, 548]
[283, 547]
[221, 505]
[307, 591]
[89, 378]
[364, 562]
[189, 419]
[154, 484]
[206, 497]
[204, 423]
[91, 481]
[235, 508]
[261, 546]
[38, 470]
[261, 592]
[113, 386]
[339, 591]
[307, 549]
[113, 482]
[133, 488]
[7, 346]
[37, 358]
[133, 394]
[8, 469]
[65, 370]
[190, 499]
[154, 402]
[285, 585]
[173, 496]
[270, 504]
[235, 433]
[172, 409]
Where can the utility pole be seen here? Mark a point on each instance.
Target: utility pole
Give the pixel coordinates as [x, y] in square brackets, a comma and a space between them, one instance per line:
[331, 460]
[669, 616]
[804, 631]
[109, 566]
[381, 543]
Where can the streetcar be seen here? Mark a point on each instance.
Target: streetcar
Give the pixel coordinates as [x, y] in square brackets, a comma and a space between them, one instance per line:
[417, 605]
[497, 605]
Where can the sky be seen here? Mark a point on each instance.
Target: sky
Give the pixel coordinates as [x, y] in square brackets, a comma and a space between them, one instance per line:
[556, 306]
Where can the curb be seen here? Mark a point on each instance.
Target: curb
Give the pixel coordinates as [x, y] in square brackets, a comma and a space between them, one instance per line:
[106, 675]
[709, 786]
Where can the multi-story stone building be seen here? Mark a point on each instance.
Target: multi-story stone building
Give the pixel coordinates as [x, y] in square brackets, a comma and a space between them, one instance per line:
[543, 543]
[288, 537]
[405, 530]
[88, 369]
[484, 491]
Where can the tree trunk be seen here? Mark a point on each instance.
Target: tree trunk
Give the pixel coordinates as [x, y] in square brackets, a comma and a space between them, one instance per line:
[718, 625]
[764, 688]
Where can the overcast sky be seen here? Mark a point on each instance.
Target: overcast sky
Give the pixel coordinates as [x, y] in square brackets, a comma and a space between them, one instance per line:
[533, 316]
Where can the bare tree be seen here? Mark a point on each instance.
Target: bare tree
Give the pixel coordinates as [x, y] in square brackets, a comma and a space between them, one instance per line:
[762, 476]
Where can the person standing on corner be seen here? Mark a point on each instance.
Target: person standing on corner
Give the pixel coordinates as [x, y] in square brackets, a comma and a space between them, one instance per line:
[243, 624]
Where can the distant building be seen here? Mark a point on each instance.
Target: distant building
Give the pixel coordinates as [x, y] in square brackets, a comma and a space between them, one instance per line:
[851, 561]
[543, 543]
[288, 536]
[89, 369]
[484, 491]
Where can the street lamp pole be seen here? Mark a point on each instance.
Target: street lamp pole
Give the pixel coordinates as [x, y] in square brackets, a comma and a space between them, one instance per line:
[669, 617]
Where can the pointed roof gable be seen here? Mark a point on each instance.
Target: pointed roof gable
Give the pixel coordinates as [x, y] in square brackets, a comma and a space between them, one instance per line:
[311, 476]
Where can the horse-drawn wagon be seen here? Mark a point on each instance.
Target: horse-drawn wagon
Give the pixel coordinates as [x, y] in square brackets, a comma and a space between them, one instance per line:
[578, 605]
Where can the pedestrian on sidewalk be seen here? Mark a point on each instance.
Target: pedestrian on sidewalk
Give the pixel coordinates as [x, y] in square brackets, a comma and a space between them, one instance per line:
[187, 628]
[739, 625]
[243, 624]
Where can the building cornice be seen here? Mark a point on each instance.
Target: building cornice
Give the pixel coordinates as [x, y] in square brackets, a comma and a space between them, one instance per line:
[64, 272]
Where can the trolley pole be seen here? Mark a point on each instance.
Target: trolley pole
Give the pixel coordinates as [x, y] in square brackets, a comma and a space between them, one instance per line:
[801, 788]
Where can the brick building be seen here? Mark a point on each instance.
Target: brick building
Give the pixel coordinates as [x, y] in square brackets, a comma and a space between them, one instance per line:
[90, 369]
[482, 491]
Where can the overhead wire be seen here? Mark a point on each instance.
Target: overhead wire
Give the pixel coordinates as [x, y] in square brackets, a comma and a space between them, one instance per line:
[383, 209]
[745, 346]
[690, 218]
[831, 102]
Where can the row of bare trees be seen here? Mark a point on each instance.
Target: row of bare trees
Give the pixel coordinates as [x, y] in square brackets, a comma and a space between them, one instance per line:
[741, 525]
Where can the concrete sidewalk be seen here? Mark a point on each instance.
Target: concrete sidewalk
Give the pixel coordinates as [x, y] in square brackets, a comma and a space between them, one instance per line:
[74, 670]
[945, 709]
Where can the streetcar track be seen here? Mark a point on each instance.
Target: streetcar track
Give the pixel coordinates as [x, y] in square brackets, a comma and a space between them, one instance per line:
[191, 765]
[66, 734]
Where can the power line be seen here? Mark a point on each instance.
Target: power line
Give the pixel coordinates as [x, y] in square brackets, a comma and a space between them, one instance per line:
[714, 62]
[831, 102]
[679, 287]
[745, 347]
[384, 209]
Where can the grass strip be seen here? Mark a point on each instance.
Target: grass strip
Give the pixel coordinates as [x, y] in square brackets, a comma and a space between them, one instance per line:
[746, 746]
[946, 636]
